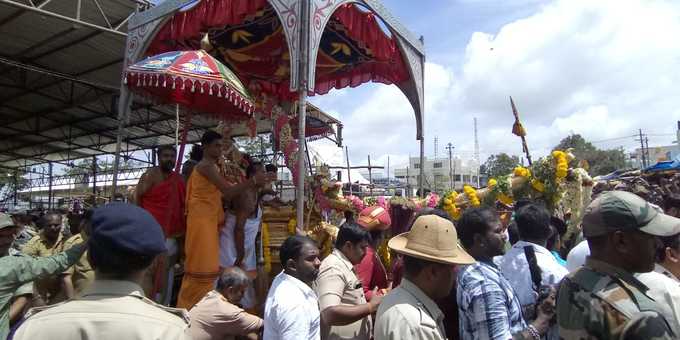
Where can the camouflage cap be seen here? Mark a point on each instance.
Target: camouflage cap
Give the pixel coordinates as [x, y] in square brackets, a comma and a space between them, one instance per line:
[621, 210]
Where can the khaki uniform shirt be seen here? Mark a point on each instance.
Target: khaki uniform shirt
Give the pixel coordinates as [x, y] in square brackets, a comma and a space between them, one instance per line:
[49, 289]
[337, 284]
[108, 310]
[600, 301]
[407, 313]
[82, 274]
[216, 318]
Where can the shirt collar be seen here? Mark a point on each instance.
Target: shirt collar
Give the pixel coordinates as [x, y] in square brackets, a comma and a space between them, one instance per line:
[521, 244]
[430, 305]
[608, 269]
[339, 254]
[47, 244]
[305, 288]
[662, 270]
[114, 287]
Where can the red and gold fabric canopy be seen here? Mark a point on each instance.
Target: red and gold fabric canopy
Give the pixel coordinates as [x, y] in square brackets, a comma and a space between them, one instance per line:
[248, 37]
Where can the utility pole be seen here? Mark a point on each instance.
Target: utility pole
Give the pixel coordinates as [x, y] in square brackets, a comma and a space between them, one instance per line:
[642, 150]
[349, 177]
[370, 176]
[476, 151]
[450, 147]
[649, 160]
[436, 156]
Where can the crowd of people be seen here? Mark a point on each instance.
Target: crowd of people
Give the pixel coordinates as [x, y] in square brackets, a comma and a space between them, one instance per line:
[111, 275]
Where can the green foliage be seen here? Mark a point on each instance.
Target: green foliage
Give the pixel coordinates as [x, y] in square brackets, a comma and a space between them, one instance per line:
[258, 146]
[601, 162]
[84, 166]
[499, 165]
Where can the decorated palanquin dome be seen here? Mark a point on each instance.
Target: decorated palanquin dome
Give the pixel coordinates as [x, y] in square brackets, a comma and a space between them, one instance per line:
[249, 38]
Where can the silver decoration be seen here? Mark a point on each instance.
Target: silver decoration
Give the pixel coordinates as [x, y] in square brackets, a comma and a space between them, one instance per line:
[288, 12]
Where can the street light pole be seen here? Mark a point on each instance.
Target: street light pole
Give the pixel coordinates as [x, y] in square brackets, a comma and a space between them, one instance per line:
[450, 148]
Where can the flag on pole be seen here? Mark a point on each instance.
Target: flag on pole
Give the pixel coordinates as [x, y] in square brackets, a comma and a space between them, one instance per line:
[517, 127]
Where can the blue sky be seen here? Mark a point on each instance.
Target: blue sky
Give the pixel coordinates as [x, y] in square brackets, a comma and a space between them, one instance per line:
[599, 68]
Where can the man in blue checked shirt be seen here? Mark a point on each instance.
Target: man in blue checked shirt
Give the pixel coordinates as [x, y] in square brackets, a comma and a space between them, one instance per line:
[487, 304]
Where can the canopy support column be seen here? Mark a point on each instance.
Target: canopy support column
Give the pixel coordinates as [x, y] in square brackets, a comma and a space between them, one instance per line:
[124, 102]
[302, 110]
[421, 175]
[49, 192]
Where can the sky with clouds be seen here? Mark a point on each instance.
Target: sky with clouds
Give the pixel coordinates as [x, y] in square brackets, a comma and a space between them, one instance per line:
[602, 69]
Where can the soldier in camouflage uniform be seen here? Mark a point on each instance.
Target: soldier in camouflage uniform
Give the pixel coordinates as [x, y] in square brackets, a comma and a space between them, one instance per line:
[602, 300]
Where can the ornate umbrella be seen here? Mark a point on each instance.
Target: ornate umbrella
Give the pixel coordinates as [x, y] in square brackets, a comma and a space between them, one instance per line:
[194, 80]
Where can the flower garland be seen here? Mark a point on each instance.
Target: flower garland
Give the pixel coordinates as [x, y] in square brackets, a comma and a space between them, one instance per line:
[471, 194]
[433, 200]
[357, 203]
[266, 251]
[292, 225]
[448, 204]
[384, 253]
[561, 165]
[537, 185]
[521, 171]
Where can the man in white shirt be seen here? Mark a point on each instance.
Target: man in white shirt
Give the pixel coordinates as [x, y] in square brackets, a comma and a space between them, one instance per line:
[533, 224]
[668, 258]
[577, 256]
[292, 307]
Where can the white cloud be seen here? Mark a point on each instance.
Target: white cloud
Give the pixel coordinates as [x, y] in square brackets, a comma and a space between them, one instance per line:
[601, 68]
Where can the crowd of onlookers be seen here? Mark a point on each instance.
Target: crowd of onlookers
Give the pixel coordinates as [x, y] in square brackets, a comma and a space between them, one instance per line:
[107, 273]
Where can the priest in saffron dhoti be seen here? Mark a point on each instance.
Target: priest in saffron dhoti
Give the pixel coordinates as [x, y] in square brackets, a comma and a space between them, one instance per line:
[207, 189]
[161, 192]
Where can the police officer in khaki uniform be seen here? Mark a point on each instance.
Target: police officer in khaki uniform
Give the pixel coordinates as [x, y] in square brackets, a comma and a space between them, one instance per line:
[345, 314]
[431, 252]
[603, 300]
[124, 241]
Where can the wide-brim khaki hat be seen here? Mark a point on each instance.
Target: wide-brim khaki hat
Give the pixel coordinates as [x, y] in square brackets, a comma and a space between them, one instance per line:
[431, 238]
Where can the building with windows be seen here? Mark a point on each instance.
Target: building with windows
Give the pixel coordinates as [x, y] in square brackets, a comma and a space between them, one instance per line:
[439, 176]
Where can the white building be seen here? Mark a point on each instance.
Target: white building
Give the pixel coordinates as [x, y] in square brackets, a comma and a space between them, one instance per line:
[439, 176]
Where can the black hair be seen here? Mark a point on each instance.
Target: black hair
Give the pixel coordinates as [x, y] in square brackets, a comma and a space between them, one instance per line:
[672, 242]
[252, 168]
[41, 223]
[292, 247]
[413, 265]
[559, 225]
[232, 277]
[520, 203]
[196, 152]
[209, 137]
[271, 168]
[118, 264]
[166, 147]
[474, 221]
[513, 233]
[352, 232]
[533, 222]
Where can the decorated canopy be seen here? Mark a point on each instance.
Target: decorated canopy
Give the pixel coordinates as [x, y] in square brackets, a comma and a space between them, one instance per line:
[260, 41]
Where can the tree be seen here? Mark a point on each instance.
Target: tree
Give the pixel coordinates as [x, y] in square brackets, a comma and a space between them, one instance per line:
[600, 162]
[499, 165]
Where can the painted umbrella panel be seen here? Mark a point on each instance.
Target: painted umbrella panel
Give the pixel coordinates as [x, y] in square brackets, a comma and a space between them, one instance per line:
[194, 80]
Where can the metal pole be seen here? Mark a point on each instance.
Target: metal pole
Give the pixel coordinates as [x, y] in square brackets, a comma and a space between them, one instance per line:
[422, 168]
[302, 110]
[49, 193]
[94, 177]
[408, 181]
[370, 176]
[388, 171]
[349, 177]
[450, 148]
[16, 188]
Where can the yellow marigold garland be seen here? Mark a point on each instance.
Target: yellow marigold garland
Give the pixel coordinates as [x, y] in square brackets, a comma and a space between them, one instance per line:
[292, 224]
[561, 164]
[492, 183]
[471, 195]
[449, 205]
[521, 171]
[266, 251]
[505, 199]
[537, 185]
